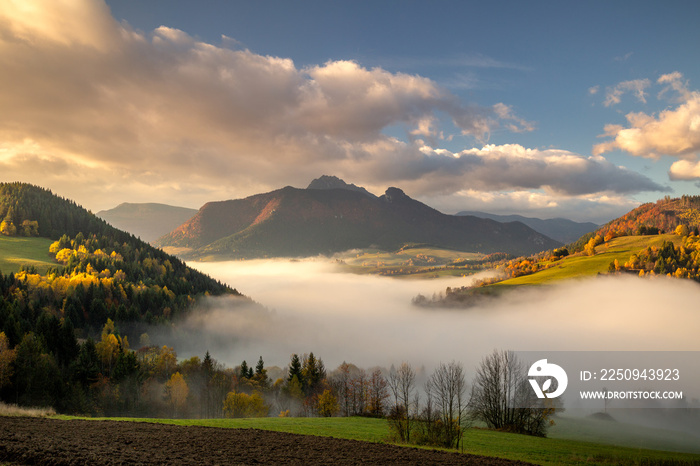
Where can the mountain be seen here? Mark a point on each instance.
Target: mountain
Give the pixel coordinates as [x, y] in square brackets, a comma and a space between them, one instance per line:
[148, 221]
[333, 182]
[561, 229]
[304, 222]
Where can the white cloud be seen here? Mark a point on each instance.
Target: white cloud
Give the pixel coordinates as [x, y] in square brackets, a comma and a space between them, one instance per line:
[685, 170]
[674, 132]
[119, 103]
[613, 95]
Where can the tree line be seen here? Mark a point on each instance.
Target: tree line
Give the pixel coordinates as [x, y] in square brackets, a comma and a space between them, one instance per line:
[106, 377]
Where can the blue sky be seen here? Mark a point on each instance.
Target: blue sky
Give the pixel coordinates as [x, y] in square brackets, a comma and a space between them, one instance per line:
[573, 109]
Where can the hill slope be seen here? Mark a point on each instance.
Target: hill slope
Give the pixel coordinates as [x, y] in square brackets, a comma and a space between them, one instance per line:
[560, 229]
[663, 215]
[303, 222]
[148, 221]
[98, 272]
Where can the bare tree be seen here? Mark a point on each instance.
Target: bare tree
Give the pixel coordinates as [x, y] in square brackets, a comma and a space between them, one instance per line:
[503, 399]
[378, 393]
[402, 383]
[447, 397]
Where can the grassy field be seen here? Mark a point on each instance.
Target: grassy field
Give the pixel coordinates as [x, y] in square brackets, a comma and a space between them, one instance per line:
[18, 251]
[580, 266]
[545, 451]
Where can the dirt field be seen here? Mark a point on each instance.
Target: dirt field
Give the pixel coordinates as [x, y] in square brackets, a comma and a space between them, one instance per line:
[26, 440]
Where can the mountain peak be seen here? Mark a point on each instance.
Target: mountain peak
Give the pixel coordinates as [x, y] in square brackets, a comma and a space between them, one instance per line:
[394, 194]
[333, 182]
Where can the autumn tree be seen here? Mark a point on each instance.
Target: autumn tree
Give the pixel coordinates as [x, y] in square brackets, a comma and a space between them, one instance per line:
[242, 405]
[341, 380]
[327, 404]
[589, 249]
[176, 392]
[378, 393]
[682, 230]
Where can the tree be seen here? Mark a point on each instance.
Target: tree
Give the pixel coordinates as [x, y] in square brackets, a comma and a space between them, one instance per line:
[7, 358]
[447, 392]
[295, 369]
[176, 392]
[313, 372]
[327, 403]
[86, 367]
[240, 405]
[682, 230]
[30, 228]
[378, 393]
[503, 398]
[245, 372]
[260, 376]
[402, 383]
[592, 243]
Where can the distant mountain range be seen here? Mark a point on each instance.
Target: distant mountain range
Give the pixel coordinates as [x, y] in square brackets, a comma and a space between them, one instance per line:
[332, 216]
[147, 221]
[560, 229]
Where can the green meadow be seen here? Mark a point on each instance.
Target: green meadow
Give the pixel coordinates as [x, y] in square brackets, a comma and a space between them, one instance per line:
[16, 251]
[581, 266]
[554, 450]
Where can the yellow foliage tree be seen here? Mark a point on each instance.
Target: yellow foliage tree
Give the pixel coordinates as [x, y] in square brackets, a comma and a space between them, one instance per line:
[8, 228]
[108, 351]
[176, 392]
[239, 405]
[682, 230]
[327, 404]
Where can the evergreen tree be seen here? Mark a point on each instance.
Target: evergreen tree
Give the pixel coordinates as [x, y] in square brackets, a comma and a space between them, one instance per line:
[295, 369]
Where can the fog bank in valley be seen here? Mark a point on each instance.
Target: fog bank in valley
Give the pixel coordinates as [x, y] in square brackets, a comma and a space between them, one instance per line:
[369, 320]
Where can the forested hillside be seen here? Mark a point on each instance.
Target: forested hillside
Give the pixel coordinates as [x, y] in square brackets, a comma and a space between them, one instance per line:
[662, 216]
[101, 275]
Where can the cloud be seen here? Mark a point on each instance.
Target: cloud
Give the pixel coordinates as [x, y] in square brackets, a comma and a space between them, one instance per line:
[92, 91]
[512, 166]
[684, 170]
[613, 95]
[674, 132]
[597, 208]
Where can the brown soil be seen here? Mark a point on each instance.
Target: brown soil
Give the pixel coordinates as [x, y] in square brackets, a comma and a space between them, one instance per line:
[26, 440]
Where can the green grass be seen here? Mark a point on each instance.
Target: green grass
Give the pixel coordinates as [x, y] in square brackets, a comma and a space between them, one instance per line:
[546, 451]
[17, 251]
[580, 266]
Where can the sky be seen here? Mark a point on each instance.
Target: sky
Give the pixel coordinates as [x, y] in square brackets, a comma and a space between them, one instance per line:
[581, 110]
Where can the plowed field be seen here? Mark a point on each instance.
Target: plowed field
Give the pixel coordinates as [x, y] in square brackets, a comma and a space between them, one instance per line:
[26, 440]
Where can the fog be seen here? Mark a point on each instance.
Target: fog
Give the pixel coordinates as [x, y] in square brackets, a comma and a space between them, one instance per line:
[369, 320]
